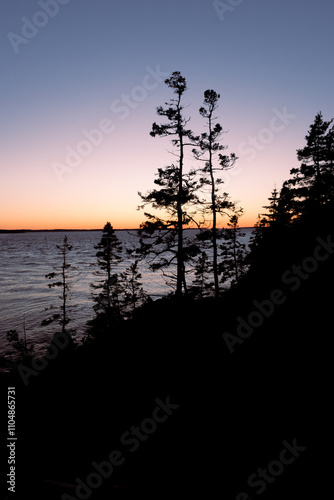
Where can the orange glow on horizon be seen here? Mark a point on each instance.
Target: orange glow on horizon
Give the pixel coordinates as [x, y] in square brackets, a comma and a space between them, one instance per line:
[93, 224]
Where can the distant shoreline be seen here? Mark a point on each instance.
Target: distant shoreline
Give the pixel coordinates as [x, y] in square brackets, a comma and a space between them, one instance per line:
[5, 231]
[2, 231]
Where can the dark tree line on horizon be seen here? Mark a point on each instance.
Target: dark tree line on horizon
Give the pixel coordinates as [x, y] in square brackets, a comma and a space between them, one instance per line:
[195, 198]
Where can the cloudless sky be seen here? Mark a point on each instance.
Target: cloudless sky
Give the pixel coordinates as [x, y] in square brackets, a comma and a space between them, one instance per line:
[66, 67]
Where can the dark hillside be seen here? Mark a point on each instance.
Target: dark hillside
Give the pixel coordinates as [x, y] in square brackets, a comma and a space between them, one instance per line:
[232, 410]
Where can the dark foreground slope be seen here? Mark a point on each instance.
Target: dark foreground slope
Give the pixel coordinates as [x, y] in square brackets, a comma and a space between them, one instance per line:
[236, 420]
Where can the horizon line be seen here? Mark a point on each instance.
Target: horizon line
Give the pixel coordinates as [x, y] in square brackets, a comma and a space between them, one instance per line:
[96, 229]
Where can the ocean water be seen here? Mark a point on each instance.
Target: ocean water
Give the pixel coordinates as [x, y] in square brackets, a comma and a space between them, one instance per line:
[25, 259]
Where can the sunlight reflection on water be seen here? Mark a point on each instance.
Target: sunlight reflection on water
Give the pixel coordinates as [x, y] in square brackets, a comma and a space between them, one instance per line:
[25, 259]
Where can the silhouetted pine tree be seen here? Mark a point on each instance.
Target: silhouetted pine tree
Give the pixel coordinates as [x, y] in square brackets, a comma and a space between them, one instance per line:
[202, 270]
[280, 209]
[206, 151]
[271, 225]
[133, 294]
[258, 233]
[312, 184]
[272, 209]
[20, 352]
[233, 264]
[107, 301]
[163, 237]
[62, 277]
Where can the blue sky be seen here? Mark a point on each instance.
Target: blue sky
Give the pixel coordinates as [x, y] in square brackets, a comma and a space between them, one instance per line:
[65, 65]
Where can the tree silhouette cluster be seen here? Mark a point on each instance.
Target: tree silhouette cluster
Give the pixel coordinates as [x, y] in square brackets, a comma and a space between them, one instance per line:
[311, 185]
[137, 350]
[117, 295]
[196, 264]
[304, 203]
[189, 198]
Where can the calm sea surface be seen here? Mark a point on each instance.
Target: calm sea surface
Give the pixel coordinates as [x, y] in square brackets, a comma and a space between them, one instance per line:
[25, 259]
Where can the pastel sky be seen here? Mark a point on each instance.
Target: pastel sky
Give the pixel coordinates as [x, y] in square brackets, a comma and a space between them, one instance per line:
[81, 80]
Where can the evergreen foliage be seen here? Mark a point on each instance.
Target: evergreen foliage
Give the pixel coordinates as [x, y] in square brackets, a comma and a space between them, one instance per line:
[207, 149]
[107, 298]
[62, 276]
[312, 184]
[163, 237]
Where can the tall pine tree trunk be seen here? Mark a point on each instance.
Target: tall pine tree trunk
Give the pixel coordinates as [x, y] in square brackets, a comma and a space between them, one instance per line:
[180, 277]
[214, 213]
[64, 290]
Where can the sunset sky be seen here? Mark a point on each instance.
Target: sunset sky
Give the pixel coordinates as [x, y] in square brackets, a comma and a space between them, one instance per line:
[70, 67]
